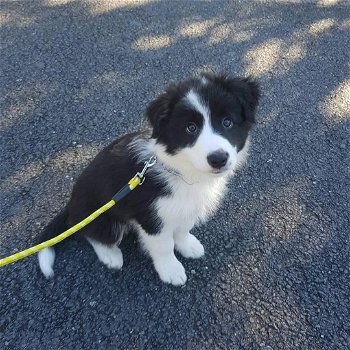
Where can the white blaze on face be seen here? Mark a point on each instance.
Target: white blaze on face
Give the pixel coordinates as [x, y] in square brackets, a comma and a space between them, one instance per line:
[208, 140]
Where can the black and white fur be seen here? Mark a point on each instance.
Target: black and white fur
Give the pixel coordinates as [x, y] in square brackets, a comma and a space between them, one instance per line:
[200, 131]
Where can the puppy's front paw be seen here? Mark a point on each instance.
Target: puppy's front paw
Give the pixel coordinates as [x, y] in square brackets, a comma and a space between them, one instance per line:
[171, 271]
[190, 247]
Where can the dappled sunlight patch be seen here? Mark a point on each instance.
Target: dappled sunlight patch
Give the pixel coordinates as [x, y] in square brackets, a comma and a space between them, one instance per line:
[55, 176]
[283, 311]
[279, 1]
[295, 52]
[219, 34]
[108, 77]
[117, 79]
[22, 101]
[321, 26]
[22, 176]
[336, 106]
[72, 157]
[242, 36]
[12, 18]
[16, 225]
[275, 56]
[327, 3]
[283, 218]
[103, 6]
[61, 162]
[154, 42]
[195, 29]
[262, 58]
[57, 2]
[204, 68]
[270, 117]
[215, 32]
[345, 24]
[282, 214]
[111, 80]
[286, 213]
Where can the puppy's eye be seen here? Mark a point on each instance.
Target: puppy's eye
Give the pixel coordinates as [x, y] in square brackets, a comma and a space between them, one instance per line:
[227, 123]
[191, 128]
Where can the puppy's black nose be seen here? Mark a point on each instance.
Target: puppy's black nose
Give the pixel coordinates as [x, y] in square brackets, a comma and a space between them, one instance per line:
[217, 159]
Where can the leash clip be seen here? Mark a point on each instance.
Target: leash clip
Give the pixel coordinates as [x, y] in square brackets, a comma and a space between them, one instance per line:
[148, 164]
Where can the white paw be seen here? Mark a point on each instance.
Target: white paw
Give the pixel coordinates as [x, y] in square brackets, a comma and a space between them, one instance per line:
[112, 258]
[171, 271]
[110, 255]
[190, 247]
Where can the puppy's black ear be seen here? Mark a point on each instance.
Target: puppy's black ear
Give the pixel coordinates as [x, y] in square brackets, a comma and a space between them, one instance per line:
[248, 91]
[160, 108]
[245, 89]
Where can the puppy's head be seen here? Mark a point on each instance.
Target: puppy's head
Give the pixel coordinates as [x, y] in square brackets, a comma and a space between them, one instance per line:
[204, 122]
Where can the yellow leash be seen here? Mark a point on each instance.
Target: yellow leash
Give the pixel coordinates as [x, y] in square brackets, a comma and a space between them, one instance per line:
[137, 180]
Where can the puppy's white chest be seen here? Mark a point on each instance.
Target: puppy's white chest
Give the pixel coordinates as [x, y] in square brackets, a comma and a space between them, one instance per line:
[190, 203]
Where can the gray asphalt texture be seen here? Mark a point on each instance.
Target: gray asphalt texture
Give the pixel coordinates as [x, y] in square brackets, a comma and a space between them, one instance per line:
[75, 75]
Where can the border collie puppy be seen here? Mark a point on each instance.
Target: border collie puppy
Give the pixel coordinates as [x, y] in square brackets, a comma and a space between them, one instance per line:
[199, 135]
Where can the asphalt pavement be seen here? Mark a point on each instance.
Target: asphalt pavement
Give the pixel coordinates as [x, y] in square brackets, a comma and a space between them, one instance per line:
[276, 274]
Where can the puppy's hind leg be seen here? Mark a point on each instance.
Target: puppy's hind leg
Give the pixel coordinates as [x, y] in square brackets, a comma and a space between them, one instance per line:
[106, 245]
[108, 254]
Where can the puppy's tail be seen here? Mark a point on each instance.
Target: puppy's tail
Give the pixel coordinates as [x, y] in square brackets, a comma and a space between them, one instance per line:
[47, 255]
